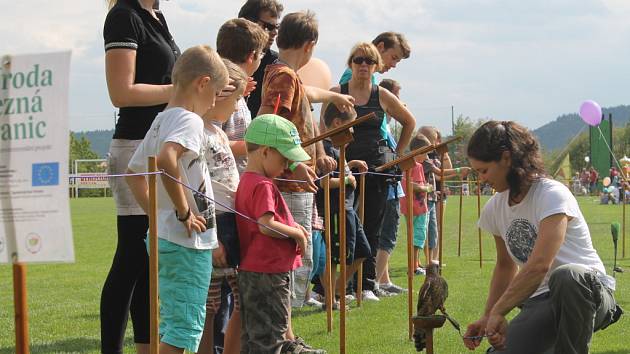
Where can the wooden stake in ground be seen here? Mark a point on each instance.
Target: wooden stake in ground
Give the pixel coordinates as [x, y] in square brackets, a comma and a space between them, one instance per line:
[459, 233]
[442, 151]
[21, 308]
[342, 248]
[330, 292]
[154, 310]
[623, 223]
[341, 137]
[361, 217]
[478, 215]
[406, 164]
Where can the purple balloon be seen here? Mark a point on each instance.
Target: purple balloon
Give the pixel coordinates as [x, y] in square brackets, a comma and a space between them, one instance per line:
[591, 113]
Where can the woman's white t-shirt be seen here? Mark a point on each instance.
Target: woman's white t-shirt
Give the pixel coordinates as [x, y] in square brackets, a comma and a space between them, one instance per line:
[518, 226]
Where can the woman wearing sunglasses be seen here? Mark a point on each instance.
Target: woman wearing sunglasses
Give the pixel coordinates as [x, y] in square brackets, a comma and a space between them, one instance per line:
[370, 144]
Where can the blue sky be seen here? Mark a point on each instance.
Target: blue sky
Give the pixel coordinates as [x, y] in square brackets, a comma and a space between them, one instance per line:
[528, 61]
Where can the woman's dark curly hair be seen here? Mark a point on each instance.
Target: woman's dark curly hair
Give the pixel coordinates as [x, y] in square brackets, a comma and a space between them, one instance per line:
[489, 142]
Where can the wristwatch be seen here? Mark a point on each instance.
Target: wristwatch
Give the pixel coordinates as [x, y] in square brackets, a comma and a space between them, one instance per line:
[185, 217]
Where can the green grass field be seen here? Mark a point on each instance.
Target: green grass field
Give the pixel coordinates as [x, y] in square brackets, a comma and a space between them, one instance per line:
[64, 298]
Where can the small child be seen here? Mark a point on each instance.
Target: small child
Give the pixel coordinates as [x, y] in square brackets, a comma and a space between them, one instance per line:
[420, 210]
[225, 177]
[357, 246]
[270, 247]
[186, 220]
[432, 172]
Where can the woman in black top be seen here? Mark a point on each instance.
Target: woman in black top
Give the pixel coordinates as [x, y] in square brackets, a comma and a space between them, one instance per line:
[139, 57]
[369, 143]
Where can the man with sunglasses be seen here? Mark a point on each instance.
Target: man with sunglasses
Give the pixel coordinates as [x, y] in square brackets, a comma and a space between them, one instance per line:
[266, 13]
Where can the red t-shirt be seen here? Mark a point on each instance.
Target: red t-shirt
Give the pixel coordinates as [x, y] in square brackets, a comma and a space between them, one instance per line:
[419, 198]
[257, 195]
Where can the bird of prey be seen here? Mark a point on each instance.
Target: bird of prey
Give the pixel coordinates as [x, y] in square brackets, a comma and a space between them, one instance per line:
[431, 297]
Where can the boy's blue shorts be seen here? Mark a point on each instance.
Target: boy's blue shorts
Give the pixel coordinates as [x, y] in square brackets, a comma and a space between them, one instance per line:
[184, 276]
[420, 229]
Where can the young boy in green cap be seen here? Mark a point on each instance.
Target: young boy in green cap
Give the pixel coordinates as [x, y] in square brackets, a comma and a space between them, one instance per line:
[270, 248]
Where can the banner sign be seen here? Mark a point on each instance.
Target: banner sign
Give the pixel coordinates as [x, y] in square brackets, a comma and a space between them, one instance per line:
[34, 150]
[94, 180]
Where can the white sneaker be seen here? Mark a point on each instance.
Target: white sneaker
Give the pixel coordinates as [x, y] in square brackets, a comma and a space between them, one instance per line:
[368, 295]
[313, 302]
[318, 297]
[350, 297]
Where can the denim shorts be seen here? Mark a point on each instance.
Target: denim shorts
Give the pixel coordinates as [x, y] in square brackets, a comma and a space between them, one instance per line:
[389, 230]
[184, 277]
[319, 254]
[120, 152]
[228, 236]
[432, 226]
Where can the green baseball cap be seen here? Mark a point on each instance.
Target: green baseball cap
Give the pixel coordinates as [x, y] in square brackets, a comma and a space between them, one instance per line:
[279, 133]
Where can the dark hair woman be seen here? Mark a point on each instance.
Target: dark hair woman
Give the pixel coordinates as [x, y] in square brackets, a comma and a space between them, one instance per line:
[370, 143]
[545, 258]
[139, 57]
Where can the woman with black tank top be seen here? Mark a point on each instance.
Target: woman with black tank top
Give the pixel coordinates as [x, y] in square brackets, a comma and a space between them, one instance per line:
[369, 142]
[139, 57]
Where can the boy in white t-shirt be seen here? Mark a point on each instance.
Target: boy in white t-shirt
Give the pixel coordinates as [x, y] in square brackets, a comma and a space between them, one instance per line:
[186, 220]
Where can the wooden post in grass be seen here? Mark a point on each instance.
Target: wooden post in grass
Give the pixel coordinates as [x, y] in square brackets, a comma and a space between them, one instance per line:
[154, 310]
[441, 151]
[20, 304]
[330, 287]
[459, 233]
[341, 137]
[478, 215]
[406, 164]
[361, 217]
[623, 223]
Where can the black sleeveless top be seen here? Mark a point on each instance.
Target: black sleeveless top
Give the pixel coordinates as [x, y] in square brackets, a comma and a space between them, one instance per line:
[369, 144]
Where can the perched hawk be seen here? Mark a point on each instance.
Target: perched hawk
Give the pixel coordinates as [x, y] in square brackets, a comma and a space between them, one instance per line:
[431, 297]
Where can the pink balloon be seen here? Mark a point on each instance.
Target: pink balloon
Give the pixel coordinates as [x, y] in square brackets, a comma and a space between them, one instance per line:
[316, 73]
[591, 113]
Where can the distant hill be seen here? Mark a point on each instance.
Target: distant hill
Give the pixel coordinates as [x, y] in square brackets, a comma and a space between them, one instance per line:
[553, 135]
[99, 139]
[558, 133]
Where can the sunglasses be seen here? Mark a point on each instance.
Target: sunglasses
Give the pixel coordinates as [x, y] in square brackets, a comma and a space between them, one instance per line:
[269, 27]
[361, 60]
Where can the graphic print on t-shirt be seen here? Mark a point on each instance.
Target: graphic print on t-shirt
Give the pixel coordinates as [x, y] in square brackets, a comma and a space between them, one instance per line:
[520, 237]
[204, 205]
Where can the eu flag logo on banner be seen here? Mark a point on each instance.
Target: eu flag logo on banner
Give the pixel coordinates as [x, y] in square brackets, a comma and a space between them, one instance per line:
[46, 174]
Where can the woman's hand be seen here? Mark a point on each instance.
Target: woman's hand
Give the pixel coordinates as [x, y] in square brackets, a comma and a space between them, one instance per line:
[474, 333]
[496, 328]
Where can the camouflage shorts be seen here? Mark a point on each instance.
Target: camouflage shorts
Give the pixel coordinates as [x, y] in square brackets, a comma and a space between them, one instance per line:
[265, 304]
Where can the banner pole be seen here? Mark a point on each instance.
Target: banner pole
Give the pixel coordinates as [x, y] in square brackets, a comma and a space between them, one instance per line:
[20, 304]
[154, 339]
